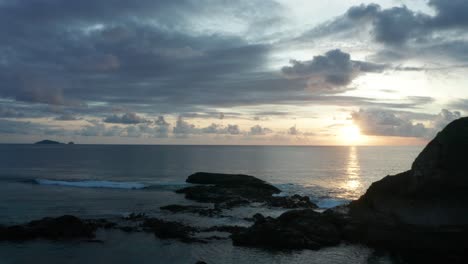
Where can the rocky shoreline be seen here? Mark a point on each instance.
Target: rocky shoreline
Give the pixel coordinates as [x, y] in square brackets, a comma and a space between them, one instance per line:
[418, 216]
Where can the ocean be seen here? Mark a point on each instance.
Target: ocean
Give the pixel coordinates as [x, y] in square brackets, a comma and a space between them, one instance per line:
[95, 181]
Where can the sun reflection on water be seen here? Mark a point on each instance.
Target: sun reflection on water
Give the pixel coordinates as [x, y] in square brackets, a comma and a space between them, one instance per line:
[352, 183]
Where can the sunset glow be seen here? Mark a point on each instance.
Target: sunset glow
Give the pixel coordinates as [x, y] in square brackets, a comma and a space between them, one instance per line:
[351, 135]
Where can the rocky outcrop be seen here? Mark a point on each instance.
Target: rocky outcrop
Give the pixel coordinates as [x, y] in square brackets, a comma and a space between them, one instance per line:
[419, 215]
[230, 180]
[423, 209]
[61, 228]
[295, 229]
[230, 190]
[170, 230]
[227, 188]
[200, 210]
[291, 202]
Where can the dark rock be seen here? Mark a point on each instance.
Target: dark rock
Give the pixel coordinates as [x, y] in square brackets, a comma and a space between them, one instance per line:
[423, 209]
[47, 142]
[227, 229]
[136, 217]
[170, 230]
[203, 211]
[101, 223]
[71, 143]
[128, 229]
[233, 190]
[296, 229]
[230, 180]
[61, 228]
[258, 218]
[292, 202]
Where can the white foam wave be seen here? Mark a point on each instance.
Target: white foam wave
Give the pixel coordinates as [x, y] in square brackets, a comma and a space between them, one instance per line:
[93, 184]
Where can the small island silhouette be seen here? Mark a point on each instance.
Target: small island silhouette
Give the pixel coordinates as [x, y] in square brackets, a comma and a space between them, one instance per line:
[52, 142]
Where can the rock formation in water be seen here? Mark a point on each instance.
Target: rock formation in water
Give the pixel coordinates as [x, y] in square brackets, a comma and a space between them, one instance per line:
[420, 214]
[295, 229]
[231, 190]
[61, 228]
[421, 210]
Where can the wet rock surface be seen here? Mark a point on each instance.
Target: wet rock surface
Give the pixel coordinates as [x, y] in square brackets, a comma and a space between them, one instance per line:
[200, 210]
[170, 230]
[231, 190]
[65, 227]
[295, 229]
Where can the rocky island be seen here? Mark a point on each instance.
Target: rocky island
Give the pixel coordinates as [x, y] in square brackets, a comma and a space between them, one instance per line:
[48, 142]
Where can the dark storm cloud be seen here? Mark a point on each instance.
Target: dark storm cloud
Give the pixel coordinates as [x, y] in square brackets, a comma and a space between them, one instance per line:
[331, 71]
[60, 53]
[450, 13]
[397, 27]
[379, 122]
[86, 58]
[127, 118]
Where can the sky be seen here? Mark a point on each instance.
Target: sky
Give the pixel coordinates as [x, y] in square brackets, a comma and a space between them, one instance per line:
[256, 72]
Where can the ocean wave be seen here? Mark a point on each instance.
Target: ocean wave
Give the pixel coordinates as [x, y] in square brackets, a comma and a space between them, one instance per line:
[324, 197]
[93, 184]
[166, 186]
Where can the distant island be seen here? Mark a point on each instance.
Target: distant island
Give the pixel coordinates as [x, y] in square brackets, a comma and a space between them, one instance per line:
[52, 142]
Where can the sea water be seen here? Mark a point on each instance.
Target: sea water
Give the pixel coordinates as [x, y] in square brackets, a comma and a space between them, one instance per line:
[94, 181]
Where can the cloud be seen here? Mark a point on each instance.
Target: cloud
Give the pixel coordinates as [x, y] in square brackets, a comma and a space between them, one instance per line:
[449, 13]
[444, 117]
[331, 71]
[161, 129]
[259, 130]
[127, 118]
[293, 131]
[96, 129]
[20, 127]
[183, 128]
[9, 112]
[67, 117]
[379, 122]
[233, 130]
[403, 32]
[459, 104]
[387, 123]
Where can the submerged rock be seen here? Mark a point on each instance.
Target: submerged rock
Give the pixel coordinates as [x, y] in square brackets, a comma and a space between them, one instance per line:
[61, 228]
[295, 229]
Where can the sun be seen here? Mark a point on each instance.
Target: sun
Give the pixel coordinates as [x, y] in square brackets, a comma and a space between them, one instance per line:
[351, 134]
